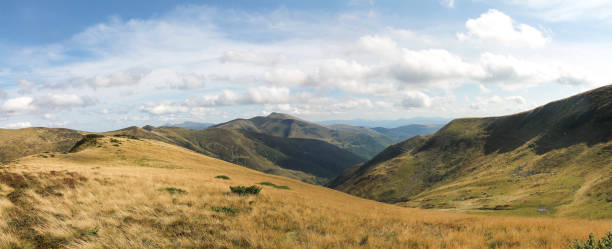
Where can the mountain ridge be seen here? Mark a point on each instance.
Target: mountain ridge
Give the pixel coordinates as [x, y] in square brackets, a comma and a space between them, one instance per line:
[559, 147]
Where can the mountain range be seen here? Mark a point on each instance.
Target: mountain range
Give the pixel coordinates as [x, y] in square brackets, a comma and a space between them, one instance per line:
[555, 159]
[552, 160]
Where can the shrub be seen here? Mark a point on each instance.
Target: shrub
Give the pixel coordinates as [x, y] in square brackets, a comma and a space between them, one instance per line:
[603, 243]
[223, 177]
[227, 210]
[274, 185]
[93, 231]
[173, 190]
[242, 190]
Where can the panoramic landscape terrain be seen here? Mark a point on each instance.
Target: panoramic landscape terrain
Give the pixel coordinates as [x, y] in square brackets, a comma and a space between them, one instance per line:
[237, 124]
[169, 187]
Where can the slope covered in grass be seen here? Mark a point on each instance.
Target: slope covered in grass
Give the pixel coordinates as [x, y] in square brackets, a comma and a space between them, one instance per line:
[22, 142]
[128, 193]
[407, 131]
[362, 144]
[555, 160]
[309, 160]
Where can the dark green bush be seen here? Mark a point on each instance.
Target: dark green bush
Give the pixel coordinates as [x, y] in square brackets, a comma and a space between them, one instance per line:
[242, 190]
[223, 177]
[274, 185]
[227, 210]
[173, 190]
[603, 243]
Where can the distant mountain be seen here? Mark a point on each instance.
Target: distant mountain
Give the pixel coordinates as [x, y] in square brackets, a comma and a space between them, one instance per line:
[407, 131]
[191, 125]
[309, 160]
[388, 123]
[282, 125]
[29, 141]
[553, 160]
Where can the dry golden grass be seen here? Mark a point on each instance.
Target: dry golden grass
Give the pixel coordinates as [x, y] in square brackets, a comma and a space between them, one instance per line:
[112, 197]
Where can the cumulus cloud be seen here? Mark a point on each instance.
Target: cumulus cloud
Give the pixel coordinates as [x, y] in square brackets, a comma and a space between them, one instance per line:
[415, 100]
[163, 108]
[258, 95]
[50, 102]
[499, 28]
[18, 125]
[18, 105]
[517, 100]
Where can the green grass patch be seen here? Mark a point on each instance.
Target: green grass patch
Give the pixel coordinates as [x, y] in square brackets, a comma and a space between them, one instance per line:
[93, 231]
[274, 185]
[223, 177]
[226, 210]
[173, 190]
[243, 190]
[603, 243]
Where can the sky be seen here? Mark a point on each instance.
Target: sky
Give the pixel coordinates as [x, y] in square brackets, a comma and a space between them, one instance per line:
[105, 65]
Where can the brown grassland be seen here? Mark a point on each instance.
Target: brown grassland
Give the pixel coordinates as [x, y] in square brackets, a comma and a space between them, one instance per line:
[114, 195]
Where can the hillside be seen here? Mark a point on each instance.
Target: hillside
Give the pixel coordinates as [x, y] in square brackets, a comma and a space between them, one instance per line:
[407, 131]
[555, 160]
[23, 142]
[286, 126]
[309, 160]
[118, 192]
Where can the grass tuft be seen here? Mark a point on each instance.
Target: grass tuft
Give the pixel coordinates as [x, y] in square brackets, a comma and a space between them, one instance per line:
[224, 177]
[274, 185]
[242, 190]
[603, 243]
[226, 210]
[173, 190]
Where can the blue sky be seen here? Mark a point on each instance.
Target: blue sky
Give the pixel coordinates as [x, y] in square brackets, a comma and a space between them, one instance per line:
[110, 64]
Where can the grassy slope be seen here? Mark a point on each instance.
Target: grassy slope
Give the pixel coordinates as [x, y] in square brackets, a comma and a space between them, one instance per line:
[111, 195]
[555, 160]
[281, 125]
[407, 131]
[22, 142]
[289, 157]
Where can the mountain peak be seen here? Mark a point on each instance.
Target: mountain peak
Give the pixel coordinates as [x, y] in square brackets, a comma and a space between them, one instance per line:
[277, 115]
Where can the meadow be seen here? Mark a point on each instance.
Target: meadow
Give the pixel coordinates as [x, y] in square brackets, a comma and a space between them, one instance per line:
[133, 193]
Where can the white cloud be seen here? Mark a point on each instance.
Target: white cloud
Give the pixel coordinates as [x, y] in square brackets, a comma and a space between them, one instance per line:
[18, 105]
[18, 125]
[286, 77]
[258, 95]
[566, 10]
[499, 28]
[25, 84]
[122, 78]
[251, 58]
[59, 102]
[3, 95]
[50, 102]
[163, 108]
[415, 100]
[448, 3]
[517, 100]
[50, 116]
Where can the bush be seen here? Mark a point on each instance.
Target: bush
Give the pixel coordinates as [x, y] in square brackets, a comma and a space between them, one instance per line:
[227, 210]
[242, 190]
[223, 177]
[173, 190]
[604, 243]
[274, 185]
